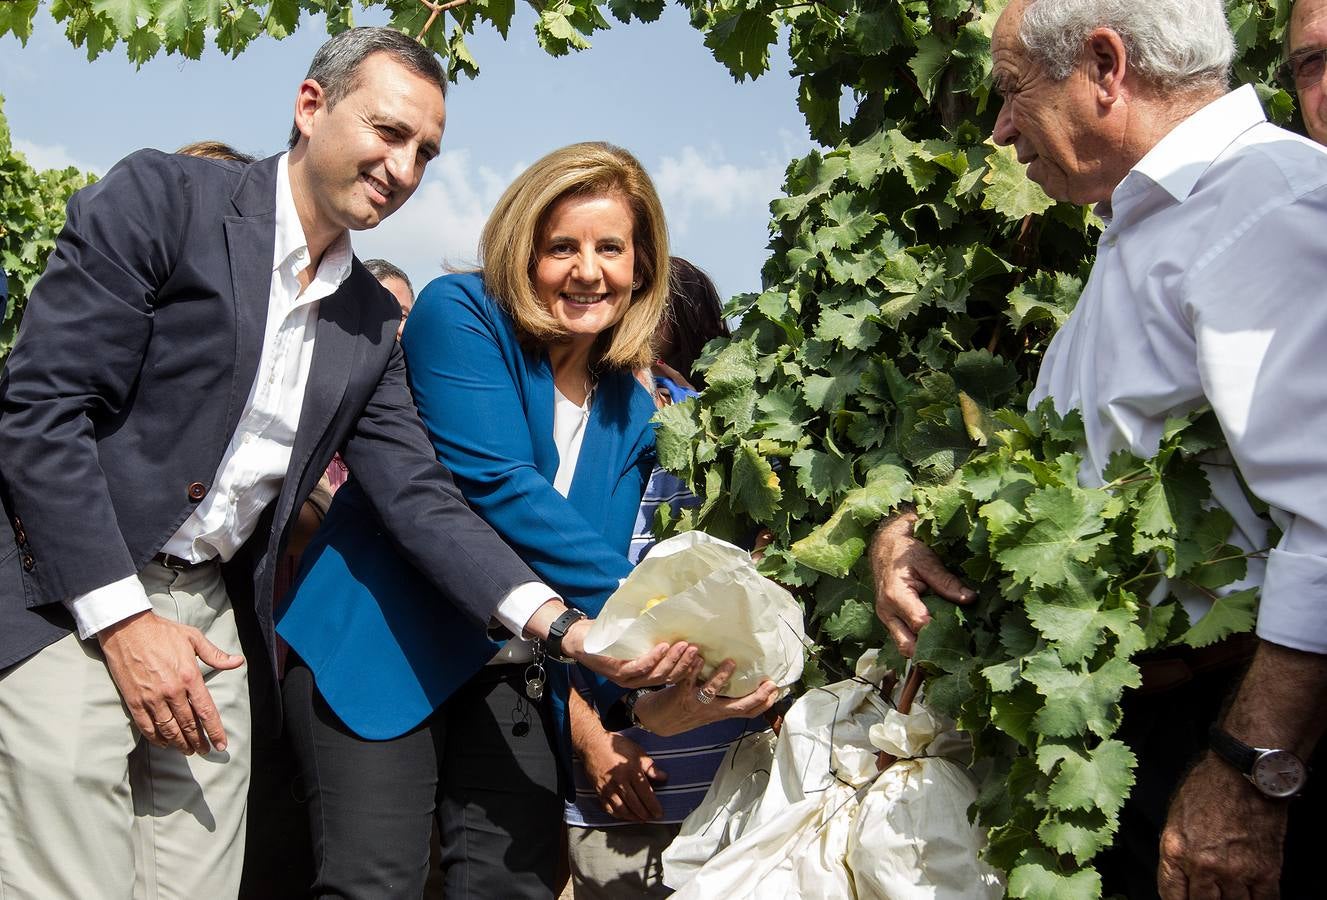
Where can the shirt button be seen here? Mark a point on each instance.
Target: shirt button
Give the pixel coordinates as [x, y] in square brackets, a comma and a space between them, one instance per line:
[197, 491]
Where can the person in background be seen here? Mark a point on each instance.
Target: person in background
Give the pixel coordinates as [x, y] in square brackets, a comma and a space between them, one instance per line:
[1305, 68]
[687, 327]
[524, 377]
[395, 280]
[1205, 291]
[633, 787]
[215, 150]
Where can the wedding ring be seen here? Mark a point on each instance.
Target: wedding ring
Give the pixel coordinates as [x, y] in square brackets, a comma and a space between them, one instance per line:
[705, 696]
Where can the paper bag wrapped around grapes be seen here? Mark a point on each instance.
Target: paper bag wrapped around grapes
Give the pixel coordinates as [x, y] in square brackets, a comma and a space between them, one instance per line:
[697, 588]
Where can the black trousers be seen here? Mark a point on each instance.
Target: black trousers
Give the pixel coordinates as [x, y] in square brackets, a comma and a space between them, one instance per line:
[482, 764]
[1167, 731]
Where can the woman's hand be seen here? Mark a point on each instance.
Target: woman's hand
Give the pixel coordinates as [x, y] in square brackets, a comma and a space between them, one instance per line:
[690, 704]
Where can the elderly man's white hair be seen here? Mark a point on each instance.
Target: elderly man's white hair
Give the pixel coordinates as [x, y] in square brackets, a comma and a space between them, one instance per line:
[1171, 43]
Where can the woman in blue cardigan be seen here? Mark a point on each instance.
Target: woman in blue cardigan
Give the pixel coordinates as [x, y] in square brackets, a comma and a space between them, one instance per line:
[524, 376]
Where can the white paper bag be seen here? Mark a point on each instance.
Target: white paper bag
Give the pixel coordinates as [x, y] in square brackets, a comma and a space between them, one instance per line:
[697, 588]
[723, 815]
[911, 837]
[828, 825]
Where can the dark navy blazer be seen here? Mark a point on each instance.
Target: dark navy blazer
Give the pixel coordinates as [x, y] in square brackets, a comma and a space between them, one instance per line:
[385, 648]
[137, 350]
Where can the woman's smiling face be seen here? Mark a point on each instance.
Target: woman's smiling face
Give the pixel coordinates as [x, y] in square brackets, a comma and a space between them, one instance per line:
[585, 264]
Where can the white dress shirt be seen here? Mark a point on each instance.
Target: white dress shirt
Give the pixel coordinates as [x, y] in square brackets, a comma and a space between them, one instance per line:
[256, 459]
[569, 422]
[1210, 286]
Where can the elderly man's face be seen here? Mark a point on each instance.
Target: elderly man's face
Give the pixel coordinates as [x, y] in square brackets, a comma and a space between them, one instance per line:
[1056, 127]
[1308, 32]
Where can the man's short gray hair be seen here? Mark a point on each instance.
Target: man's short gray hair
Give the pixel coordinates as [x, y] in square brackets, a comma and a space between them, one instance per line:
[1171, 43]
[336, 64]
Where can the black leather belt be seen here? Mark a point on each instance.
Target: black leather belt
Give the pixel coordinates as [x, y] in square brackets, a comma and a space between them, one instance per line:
[178, 563]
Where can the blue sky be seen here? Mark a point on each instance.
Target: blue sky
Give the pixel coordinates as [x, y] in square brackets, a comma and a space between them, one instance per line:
[716, 149]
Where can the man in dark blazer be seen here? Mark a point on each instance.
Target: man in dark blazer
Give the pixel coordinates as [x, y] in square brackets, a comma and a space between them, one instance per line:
[201, 343]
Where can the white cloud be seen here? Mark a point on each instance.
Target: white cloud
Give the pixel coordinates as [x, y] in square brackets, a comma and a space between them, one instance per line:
[439, 226]
[54, 156]
[703, 184]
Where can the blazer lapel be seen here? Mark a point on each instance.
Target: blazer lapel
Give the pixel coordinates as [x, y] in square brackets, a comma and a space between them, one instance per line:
[250, 243]
[335, 352]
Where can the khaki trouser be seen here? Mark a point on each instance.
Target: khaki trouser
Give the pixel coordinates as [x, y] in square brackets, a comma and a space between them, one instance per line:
[89, 809]
[620, 861]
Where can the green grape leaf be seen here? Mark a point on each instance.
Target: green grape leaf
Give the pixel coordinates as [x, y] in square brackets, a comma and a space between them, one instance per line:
[1088, 779]
[754, 484]
[1066, 529]
[1038, 876]
[1235, 613]
[1008, 190]
[1079, 699]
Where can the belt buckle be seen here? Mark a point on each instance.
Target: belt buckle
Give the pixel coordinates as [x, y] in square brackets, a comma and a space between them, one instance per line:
[177, 563]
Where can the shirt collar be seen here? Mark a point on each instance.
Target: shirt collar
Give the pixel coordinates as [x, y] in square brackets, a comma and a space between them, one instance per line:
[291, 246]
[1181, 157]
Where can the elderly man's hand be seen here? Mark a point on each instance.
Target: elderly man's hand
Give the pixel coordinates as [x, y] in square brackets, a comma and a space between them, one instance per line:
[1222, 838]
[904, 567]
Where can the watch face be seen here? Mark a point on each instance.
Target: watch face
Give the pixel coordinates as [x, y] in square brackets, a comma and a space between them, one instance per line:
[1278, 773]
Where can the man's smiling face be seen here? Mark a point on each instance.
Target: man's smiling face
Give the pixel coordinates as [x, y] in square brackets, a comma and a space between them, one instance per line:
[366, 154]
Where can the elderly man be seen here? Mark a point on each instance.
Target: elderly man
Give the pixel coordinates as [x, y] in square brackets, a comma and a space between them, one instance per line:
[1207, 289]
[202, 341]
[1306, 64]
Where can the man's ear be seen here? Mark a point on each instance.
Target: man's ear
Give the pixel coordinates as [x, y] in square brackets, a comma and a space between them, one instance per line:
[1108, 63]
[308, 101]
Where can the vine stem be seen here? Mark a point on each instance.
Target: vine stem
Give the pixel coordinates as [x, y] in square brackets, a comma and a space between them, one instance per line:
[435, 10]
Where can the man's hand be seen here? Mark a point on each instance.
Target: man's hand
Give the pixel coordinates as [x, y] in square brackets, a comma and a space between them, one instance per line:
[623, 776]
[664, 664]
[618, 768]
[903, 568]
[680, 707]
[154, 663]
[1222, 838]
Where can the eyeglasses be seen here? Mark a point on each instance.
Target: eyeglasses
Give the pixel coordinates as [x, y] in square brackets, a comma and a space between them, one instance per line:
[1303, 69]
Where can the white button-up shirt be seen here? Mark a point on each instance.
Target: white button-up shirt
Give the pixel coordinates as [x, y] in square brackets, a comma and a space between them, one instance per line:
[1210, 286]
[255, 461]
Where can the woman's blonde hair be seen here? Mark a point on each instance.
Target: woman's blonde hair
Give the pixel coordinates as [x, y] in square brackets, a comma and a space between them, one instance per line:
[507, 247]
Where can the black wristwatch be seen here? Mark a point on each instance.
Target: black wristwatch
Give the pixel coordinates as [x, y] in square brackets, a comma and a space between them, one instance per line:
[1278, 774]
[558, 630]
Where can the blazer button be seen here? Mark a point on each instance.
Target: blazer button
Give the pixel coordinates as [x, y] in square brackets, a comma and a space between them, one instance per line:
[21, 537]
[197, 491]
[18, 524]
[29, 561]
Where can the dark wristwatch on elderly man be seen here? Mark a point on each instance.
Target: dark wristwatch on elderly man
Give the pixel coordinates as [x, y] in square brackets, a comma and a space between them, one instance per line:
[1277, 774]
[558, 630]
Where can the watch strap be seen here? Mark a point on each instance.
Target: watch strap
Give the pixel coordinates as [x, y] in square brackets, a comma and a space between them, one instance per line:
[1232, 750]
[558, 630]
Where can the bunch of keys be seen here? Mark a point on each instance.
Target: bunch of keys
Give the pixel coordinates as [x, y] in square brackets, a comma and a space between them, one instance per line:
[535, 677]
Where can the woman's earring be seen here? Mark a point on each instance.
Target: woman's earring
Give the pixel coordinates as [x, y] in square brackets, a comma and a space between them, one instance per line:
[635, 285]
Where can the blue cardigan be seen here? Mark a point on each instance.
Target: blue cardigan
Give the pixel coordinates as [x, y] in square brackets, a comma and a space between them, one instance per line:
[384, 647]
